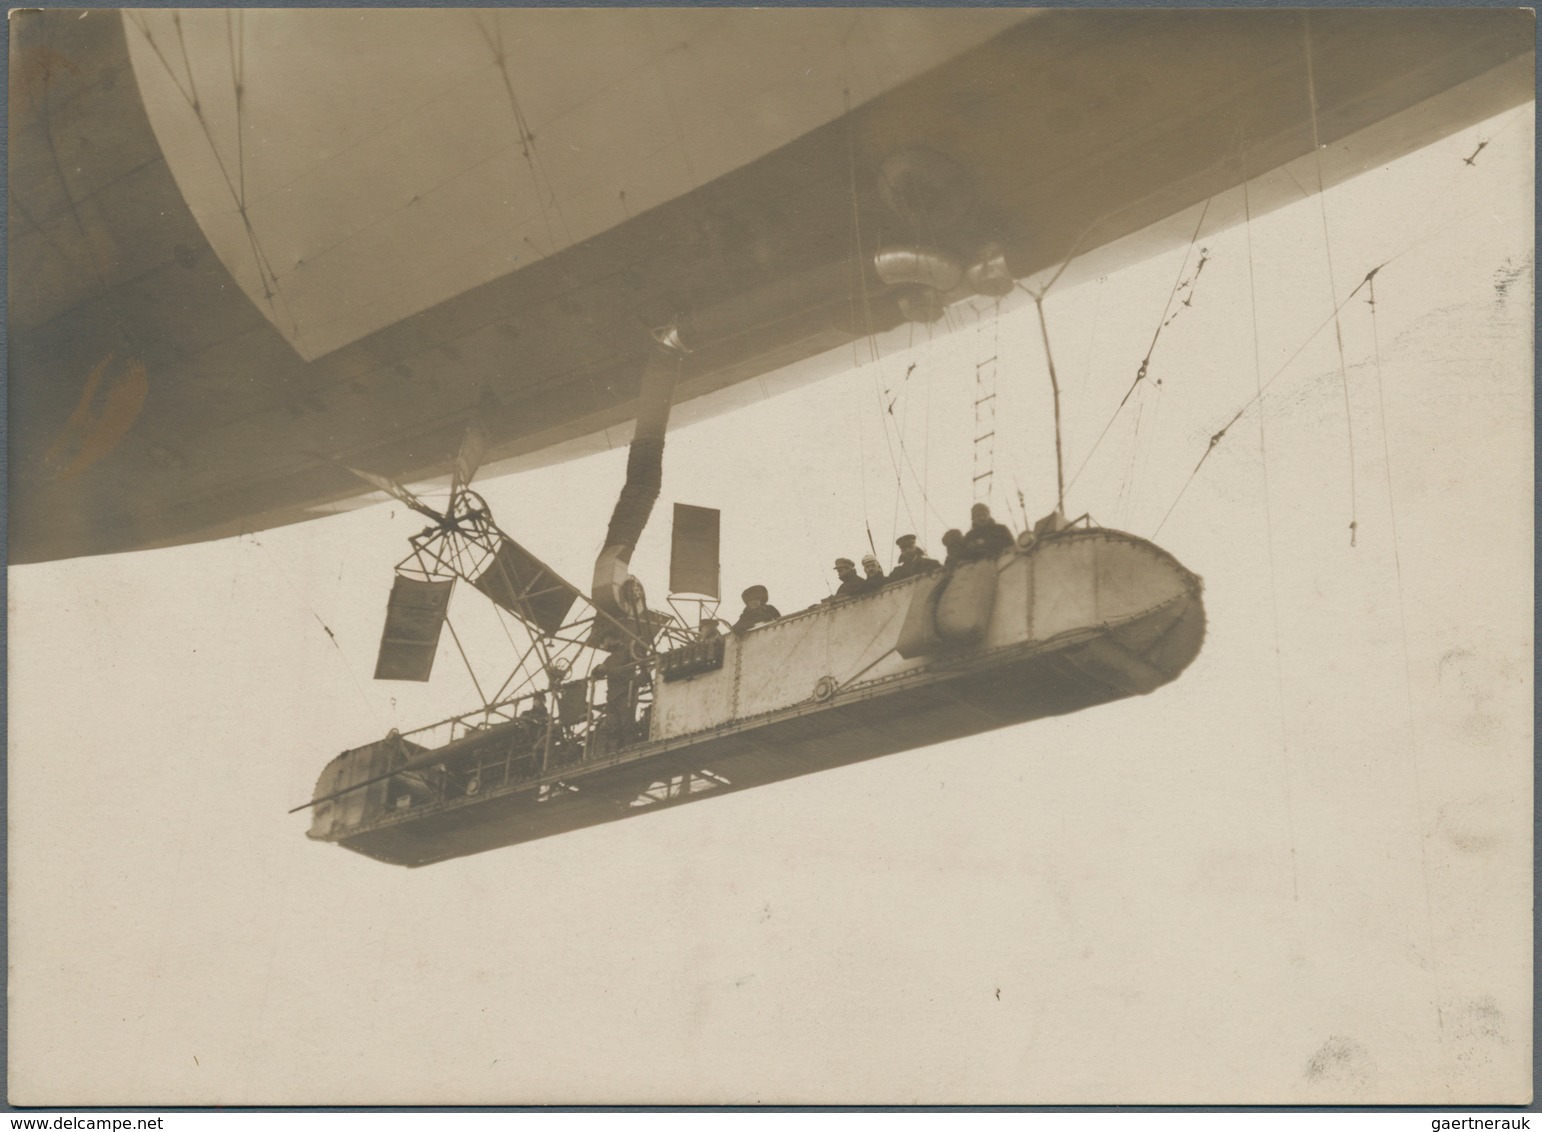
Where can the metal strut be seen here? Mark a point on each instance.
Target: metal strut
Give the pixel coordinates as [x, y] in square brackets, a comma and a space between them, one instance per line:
[1054, 385]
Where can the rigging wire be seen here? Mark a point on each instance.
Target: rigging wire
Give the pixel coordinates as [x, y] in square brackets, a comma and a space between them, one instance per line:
[475, 683]
[1070, 257]
[883, 422]
[235, 38]
[858, 284]
[1038, 296]
[903, 422]
[1217, 437]
[1092, 340]
[926, 449]
[45, 117]
[238, 191]
[527, 147]
[1402, 615]
[1149, 454]
[192, 83]
[1436, 230]
[1162, 323]
[331, 636]
[1122, 500]
[1338, 332]
[1274, 585]
[494, 42]
[265, 273]
[904, 451]
[860, 268]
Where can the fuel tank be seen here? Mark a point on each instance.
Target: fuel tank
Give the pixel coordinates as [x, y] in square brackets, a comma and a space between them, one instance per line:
[1079, 618]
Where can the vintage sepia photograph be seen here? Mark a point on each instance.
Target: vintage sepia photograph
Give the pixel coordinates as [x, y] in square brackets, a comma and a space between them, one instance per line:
[770, 556]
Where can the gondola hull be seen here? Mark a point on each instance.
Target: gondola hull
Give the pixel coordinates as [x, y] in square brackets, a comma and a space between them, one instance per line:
[1079, 619]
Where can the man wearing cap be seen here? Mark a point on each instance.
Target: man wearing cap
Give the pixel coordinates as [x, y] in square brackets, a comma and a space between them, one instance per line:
[953, 543]
[874, 572]
[852, 583]
[912, 560]
[756, 610]
[986, 537]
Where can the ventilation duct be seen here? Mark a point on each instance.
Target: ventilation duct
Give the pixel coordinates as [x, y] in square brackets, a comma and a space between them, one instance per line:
[644, 474]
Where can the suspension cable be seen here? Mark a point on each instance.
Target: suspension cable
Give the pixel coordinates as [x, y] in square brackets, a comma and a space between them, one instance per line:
[1338, 333]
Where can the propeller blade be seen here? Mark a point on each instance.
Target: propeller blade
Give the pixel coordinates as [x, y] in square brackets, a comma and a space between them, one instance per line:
[472, 448]
[410, 639]
[396, 491]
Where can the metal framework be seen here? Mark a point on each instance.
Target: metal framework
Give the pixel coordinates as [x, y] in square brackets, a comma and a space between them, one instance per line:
[580, 688]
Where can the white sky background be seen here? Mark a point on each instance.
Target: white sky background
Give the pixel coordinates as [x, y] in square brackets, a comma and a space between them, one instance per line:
[1255, 885]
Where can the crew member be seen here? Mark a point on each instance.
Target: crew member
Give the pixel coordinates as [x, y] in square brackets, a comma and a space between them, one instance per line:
[986, 538]
[622, 676]
[912, 560]
[533, 723]
[953, 543]
[852, 583]
[756, 610]
[874, 572]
